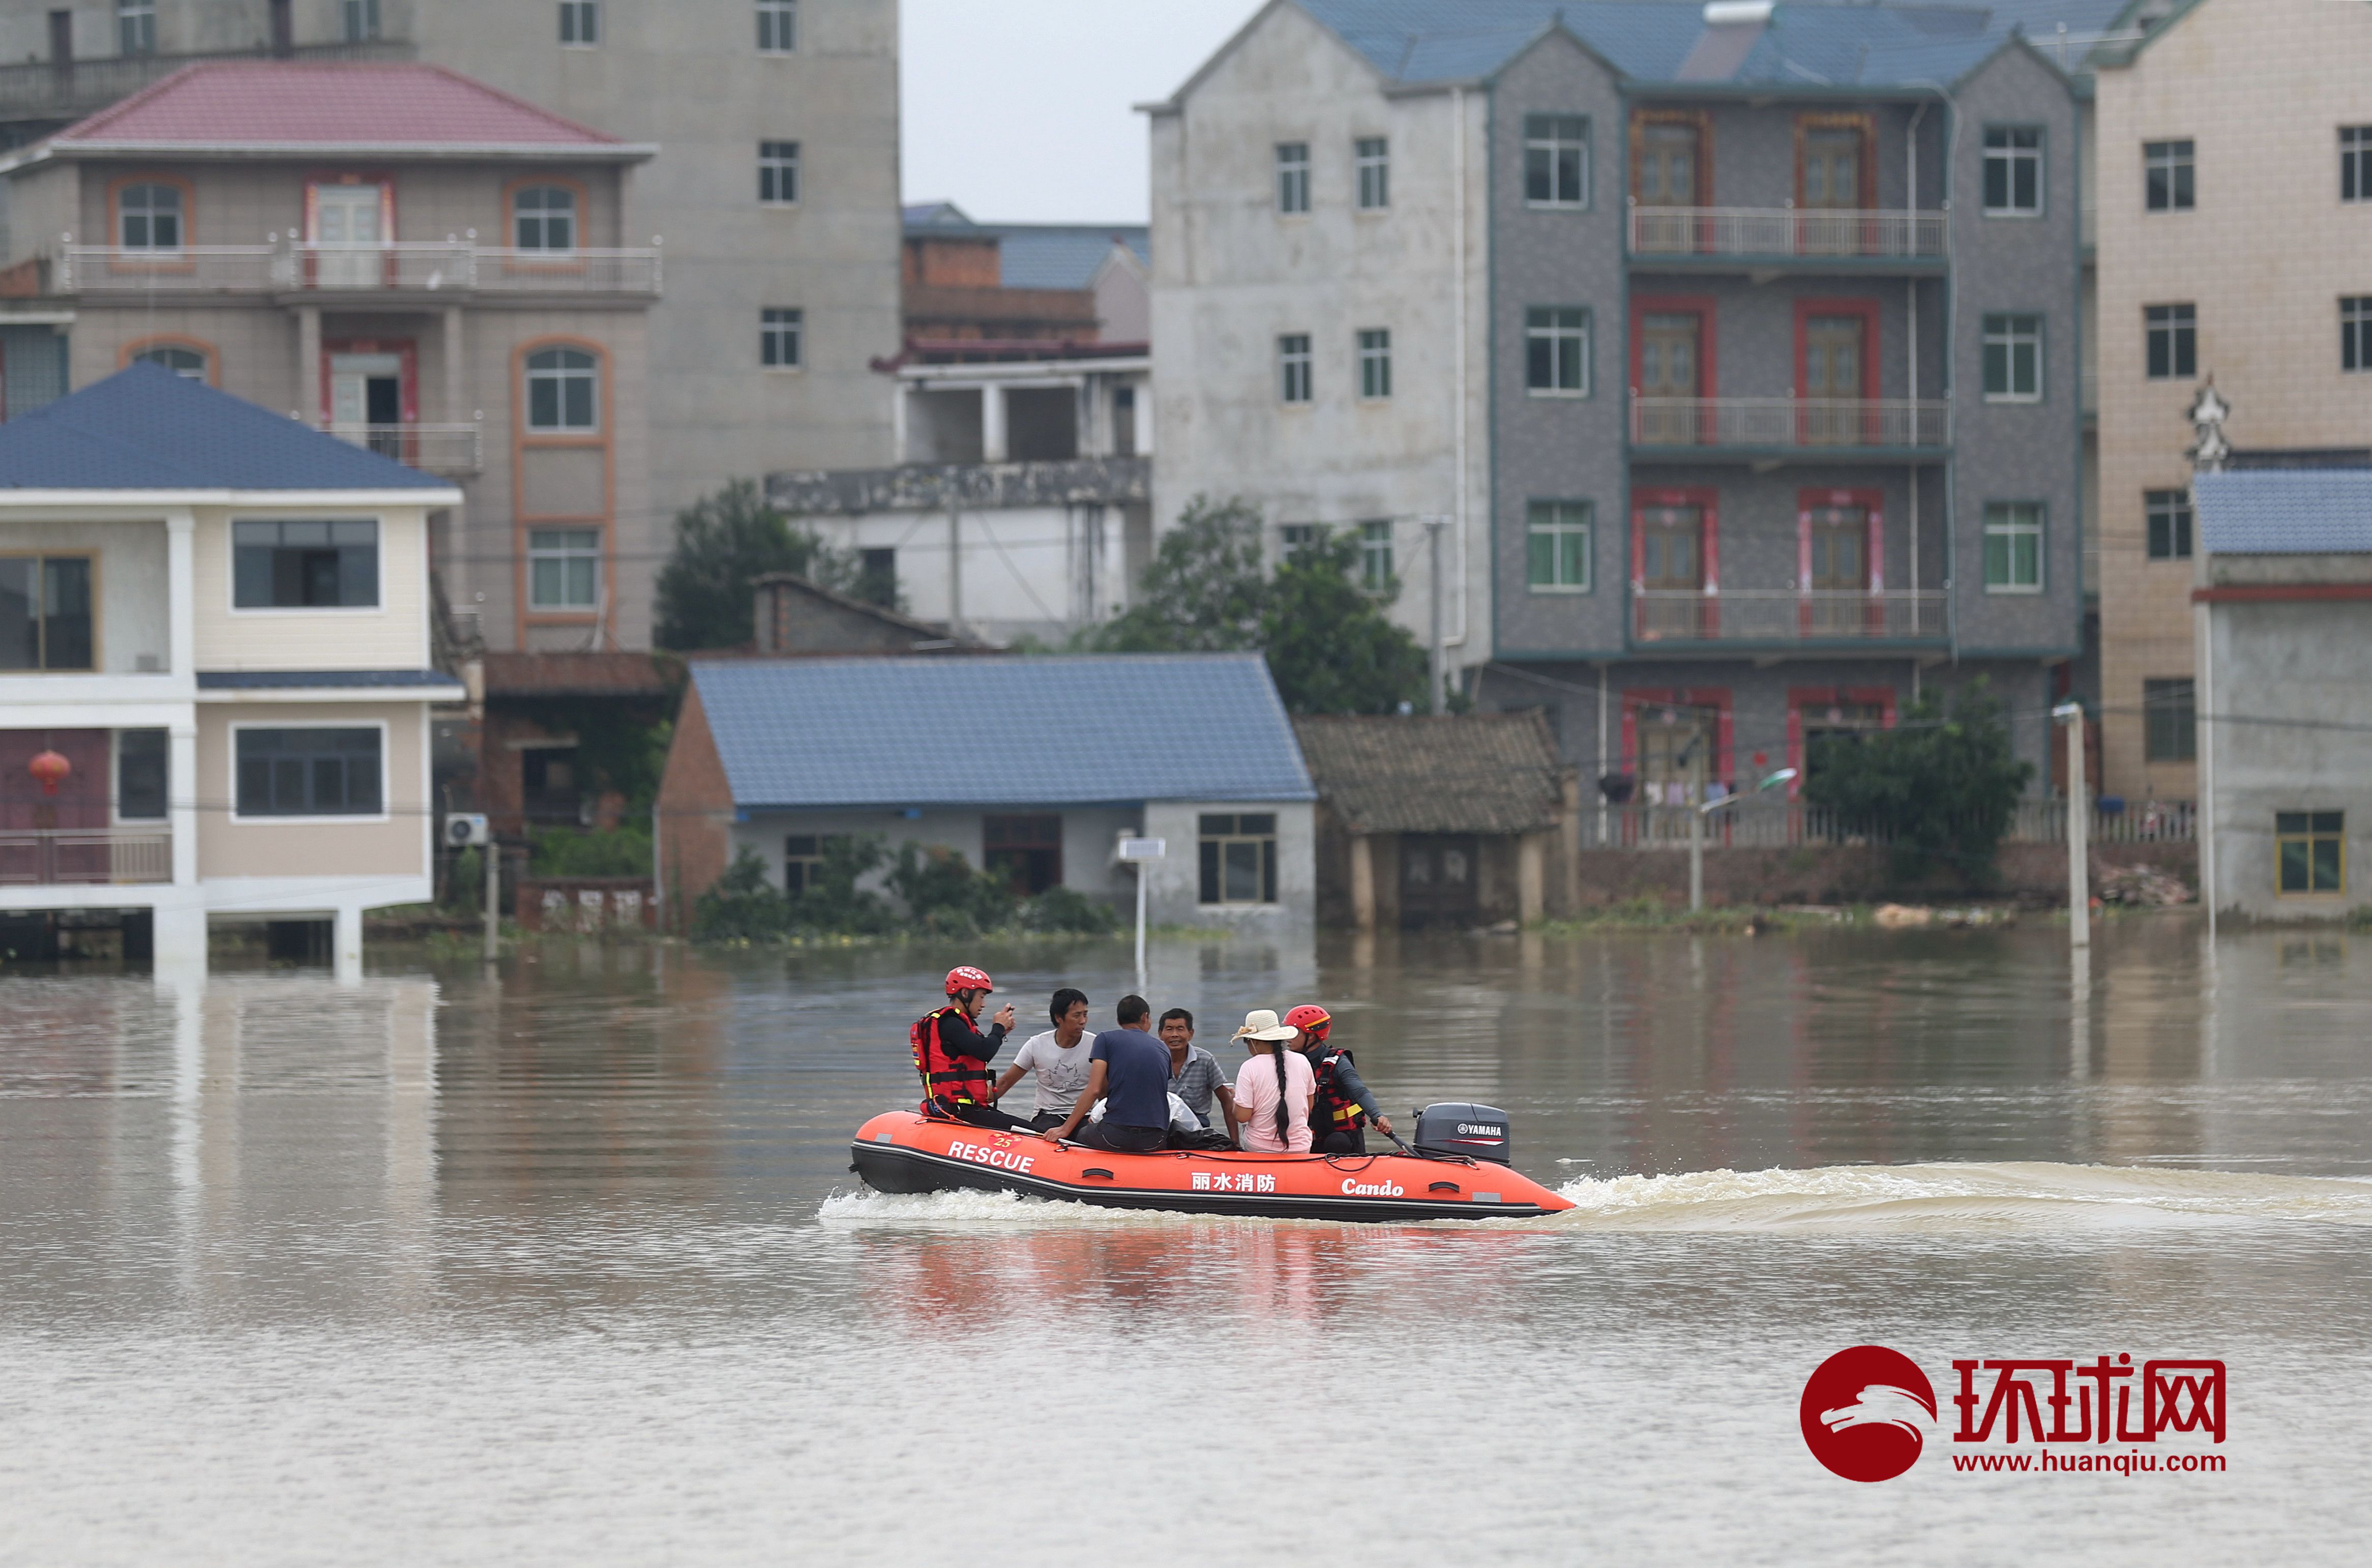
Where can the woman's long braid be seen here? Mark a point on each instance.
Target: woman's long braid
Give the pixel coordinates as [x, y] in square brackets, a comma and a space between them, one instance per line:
[1283, 1113]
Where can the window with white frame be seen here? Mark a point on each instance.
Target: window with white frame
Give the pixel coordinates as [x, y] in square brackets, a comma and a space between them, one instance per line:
[135, 26]
[2012, 359]
[2355, 163]
[544, 217]
[2013, 171]
[1295, 537]
[779, 331]
[1376, 555]
[2012, 547]
[580, 23]
[2167, 515]
[1293, 378]
[1293, 177]
[564, 390]
[1375, 362]
[2168, 184]
[2170, 341]
[310, 772]
[1372, 157]
[778, 173]
[1557, 547]
[294, 564]
[563, 568]
[1556, 160]
[149, 217]
[2355, 333]
[1237, 855]
[186, 363]
[362, 21]
[1556, 350]
[778, 27]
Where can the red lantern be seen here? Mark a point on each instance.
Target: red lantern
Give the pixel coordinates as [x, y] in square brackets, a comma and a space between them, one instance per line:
[51, 768]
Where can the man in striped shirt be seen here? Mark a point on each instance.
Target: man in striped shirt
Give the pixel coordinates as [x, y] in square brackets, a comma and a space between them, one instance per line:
[1195, 1074]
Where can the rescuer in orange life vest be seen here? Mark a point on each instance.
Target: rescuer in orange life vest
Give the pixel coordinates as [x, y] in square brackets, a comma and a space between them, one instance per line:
[1343, 1105]
[953, 1055]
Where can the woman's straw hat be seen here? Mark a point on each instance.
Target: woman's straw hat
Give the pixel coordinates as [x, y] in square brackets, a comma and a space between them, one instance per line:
[1261, 1024]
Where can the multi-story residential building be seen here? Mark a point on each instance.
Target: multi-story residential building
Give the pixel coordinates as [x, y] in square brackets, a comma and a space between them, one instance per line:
[451, 289]
[773, 193]
[2235, 245]
[214, 672]
[1724, 357]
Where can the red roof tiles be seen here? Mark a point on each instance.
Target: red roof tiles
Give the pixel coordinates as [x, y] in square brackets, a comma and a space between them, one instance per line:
[268, 102]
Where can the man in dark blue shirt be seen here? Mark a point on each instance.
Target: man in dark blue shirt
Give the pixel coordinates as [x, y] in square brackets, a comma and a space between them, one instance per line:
[1129, 1070]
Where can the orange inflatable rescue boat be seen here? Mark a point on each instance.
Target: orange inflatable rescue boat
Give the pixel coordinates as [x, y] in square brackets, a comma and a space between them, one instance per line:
[1458, 1171]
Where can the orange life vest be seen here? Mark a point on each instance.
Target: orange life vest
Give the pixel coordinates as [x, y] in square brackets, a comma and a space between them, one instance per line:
[1332, 1111]
[959, 1080]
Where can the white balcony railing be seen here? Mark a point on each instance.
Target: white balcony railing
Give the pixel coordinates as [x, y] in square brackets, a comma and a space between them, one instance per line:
[1786, 615]
[1790, 422]
[1789, 232]
[1776, 822]
[307, 266]
[52, 857]
[433, 448]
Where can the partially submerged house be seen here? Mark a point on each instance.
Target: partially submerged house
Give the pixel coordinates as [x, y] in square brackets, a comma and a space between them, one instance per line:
[1455, 820]
[1033, 768]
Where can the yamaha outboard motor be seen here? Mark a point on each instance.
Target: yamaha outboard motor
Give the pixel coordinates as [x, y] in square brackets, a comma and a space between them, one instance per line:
[1476, 1132]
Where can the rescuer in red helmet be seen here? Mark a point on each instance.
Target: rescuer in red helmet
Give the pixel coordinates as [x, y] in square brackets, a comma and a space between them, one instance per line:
[1343, 1106]
[952, 1054]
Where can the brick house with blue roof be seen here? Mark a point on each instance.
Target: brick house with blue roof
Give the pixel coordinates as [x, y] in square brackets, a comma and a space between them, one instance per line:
[215, 671]
[1033, 768]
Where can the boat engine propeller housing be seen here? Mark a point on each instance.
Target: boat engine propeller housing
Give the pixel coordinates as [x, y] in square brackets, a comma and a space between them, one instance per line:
[1455, 1129]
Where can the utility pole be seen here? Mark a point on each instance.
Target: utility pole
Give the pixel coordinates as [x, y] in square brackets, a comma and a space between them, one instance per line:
[2079, 823]
[493, 854]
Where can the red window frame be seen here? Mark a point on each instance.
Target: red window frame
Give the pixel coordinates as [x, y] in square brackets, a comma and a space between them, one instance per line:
[1802, 697]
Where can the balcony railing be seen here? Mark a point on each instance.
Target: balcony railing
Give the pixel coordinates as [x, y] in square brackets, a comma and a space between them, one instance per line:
[1787, 232]
[1786, 615]
[1770, 823]
[1790, 422]
[307, 266]
[432, 449]
[52, 857]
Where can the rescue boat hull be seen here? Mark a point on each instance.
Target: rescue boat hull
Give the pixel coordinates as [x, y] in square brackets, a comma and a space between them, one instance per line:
[904, 1152]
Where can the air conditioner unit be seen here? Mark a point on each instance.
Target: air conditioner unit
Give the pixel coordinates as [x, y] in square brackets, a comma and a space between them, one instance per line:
[461, 832]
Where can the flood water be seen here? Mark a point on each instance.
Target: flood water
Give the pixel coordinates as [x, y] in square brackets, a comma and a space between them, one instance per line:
[564, 1264]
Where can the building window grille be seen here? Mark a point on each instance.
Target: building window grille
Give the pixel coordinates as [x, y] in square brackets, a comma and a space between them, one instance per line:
[2014, 547]
[562, 390]
[305, 566]
[362, 21]
[1556, 350]
[2012, 359]
[544, 217]
[1238, 857]
[2170, 722]
[2355, 163]
[2355, 333]
[1556, 160]
[309, 772]
[135, 26]
[1372, 156]
[1293, 177]
[1376, 555]
[580, 23]
[2171, 333]
[778, 27]
[779, 333]
[563, 568]
[2167, 517]
[47, 618]
[2310, 850]
[1375, 362]
[1293, 367]
[778, 173]
[1557, 546]
[2167, 181]
[2013, 171]
[149, 217]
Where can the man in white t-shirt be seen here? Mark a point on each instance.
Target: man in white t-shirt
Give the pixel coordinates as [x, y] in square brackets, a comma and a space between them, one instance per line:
[1059, 1058]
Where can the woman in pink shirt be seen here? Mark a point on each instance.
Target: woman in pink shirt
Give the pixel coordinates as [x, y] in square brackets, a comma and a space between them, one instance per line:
[1274, 1089]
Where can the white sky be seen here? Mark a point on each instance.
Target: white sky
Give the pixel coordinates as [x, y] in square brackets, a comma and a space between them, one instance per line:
[1018, 111]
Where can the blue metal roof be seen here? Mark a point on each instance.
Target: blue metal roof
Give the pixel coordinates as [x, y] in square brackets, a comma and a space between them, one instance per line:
[146, 428]
[1804, 45]
[1048, 255]
[1000, 731]
[2284, 511]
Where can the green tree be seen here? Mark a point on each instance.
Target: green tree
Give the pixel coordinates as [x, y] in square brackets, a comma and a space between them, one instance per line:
[1204, 591]
[1944, 784]
[723, 543]
[943, 894]
[1330, 648]
[742, 905]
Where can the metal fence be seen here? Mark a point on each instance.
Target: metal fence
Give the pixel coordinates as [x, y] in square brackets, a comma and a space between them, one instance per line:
[52, 857]
[1786, 615]
[1786, 231]
[285, 266]
[1787, 824]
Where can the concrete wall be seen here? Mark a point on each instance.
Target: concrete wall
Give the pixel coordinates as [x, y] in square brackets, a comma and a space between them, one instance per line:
[1089, 835]
[329, 849]
[1831, 876]
[2260, 88]
[393, 635]
[1232, 273]
[1035, 570]
[1174, 892]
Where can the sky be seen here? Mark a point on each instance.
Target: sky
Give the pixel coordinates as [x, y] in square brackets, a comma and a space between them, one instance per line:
[1018, 110]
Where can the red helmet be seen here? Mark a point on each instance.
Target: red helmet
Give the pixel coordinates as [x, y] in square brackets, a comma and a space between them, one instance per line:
[1314, 1020]
[963, 977]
